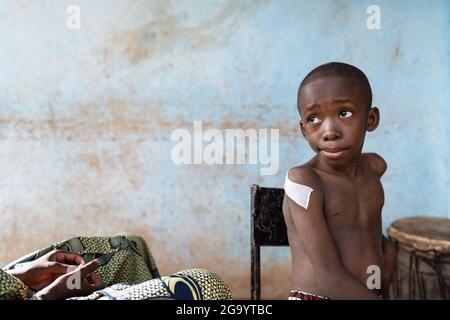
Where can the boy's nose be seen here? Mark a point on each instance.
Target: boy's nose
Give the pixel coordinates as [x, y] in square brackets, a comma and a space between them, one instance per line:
[331, 135]
[330, 132]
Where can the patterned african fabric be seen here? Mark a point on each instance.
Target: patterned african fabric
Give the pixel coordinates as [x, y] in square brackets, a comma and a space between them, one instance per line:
[189, 284]
[128, 271]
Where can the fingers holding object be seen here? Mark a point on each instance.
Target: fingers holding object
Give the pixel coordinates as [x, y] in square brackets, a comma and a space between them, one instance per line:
[68, 258]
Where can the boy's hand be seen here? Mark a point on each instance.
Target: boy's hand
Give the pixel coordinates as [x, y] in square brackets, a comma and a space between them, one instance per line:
[79, 282]
[41, 272]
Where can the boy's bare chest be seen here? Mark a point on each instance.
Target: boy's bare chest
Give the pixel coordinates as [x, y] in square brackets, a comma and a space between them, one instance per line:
[360, 198]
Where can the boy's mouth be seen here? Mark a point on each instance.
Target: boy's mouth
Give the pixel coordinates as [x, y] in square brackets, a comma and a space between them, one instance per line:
[333, 153]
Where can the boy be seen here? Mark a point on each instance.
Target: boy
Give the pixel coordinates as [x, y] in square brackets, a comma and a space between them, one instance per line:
[332, 207]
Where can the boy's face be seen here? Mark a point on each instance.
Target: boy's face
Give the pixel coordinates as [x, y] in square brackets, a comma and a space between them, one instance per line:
[335, 117]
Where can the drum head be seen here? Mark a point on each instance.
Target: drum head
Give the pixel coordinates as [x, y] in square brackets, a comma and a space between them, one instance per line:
[422, 233]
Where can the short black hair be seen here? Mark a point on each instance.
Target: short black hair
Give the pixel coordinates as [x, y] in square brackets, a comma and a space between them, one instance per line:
[339, 70]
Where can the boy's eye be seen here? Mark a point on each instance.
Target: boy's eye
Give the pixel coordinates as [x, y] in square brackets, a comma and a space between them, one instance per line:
[345, 114]
[313, 120]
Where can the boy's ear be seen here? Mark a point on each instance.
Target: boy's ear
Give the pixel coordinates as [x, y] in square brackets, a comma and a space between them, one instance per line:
[302, 129]
[373, 119]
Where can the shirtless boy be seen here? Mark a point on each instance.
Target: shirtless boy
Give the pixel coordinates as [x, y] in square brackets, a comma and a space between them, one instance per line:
[332, 207]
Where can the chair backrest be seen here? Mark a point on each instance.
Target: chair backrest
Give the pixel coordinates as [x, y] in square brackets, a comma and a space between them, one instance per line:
[267, 229]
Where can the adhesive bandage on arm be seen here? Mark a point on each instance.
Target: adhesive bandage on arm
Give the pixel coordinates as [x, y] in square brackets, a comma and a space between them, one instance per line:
[299, 193]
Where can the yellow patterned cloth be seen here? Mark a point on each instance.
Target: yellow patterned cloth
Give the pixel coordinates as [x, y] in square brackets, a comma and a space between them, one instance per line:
[12, 288]
[189, 284]
[129, 272]
[130, 261]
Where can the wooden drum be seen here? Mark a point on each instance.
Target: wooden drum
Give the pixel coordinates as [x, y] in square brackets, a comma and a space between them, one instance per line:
[423, 258]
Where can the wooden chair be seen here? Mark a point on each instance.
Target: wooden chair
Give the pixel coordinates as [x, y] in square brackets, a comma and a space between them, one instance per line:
[267, 229]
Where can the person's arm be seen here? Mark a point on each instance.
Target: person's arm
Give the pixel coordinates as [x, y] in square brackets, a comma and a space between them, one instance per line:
[41, 272]
[334, 281]
[389, 266]
[56, 275]
[379, 165]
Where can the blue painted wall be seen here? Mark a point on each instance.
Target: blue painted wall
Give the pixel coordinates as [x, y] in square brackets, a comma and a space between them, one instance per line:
[86, 117]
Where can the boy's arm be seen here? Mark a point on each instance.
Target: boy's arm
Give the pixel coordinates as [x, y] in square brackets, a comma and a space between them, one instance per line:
[379, 165]
[334, 281]
[389, 266]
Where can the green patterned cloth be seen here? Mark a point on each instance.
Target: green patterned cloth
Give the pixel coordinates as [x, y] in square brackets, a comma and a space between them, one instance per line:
[12, 288]
[130, 273]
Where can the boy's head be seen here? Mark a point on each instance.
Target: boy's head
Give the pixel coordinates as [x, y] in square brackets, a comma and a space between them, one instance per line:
[334, 102]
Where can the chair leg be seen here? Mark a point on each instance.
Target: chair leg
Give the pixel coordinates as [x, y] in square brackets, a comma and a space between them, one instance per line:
[255, 293]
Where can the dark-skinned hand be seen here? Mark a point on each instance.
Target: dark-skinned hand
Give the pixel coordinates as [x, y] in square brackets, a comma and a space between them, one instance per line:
[80, 282]
[45, 270]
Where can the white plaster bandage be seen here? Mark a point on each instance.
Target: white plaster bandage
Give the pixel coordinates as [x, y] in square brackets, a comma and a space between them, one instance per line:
[299, 193]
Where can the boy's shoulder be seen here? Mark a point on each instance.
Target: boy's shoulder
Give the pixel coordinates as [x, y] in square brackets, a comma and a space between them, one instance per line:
[305, 175]
[376, 162]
